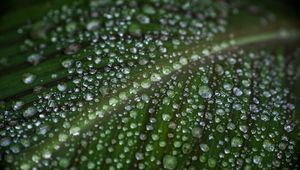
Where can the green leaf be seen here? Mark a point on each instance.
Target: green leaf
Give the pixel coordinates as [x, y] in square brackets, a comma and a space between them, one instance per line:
[149, 85]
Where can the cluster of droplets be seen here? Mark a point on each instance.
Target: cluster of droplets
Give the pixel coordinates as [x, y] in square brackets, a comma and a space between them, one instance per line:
[129, 89]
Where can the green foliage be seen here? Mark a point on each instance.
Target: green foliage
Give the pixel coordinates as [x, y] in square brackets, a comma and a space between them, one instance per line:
[159, 84]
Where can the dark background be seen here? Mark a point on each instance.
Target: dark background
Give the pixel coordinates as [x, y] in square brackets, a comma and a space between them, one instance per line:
[8, 5]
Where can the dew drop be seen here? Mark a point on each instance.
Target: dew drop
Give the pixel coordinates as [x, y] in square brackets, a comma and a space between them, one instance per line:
[30, 111]
[62, 87]
[88, 97]
[169, 162]
[237, 91]
[28, 78]
[186, 148]
[34, 59]
[166, 117]
[205, 92]
[197, 132]
[18, 105]
[145, 84]
[236, 142]
[74, 131]
[139, 156]
[143, 19]
[155, 77]
[204, 147]
[212, 162]
[147, 9]
[5, 141]
[257, 159]
[67, 63]
[93, 25]
[268, 146]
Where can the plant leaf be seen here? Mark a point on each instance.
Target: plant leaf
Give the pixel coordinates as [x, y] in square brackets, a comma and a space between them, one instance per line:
[147, 85]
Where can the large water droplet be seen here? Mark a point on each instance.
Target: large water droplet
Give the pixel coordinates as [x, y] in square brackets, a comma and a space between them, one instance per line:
[170, 162]
[205, 92]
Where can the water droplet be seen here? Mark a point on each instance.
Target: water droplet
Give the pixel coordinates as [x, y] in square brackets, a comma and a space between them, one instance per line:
[88, 97]
[91, 165]
[204, 147]
[212, 162]
[62, 137]
[67, 63]
[18, 105]
[145, 84]
[147, 9]
[43, 130]
[143, 19]
[139, 156]
[155, 77]
[237, 91]
[71, 27]
[113, 101]
[220, 128]
[186, 148]
[28, 78]
[64, 163]
[183, 61]
[195, 57]
[74, 131]
[62, 87]
[288, 127]
[170, 162]
[257, 159]
[206, 52]
[268, 146]
[30, 111]
[236, 142]
[202, 158]
[5, 141]
[34, 59]
[166, 117]
[227, 86]
[197, 132]
[205, 92]
[166, 71]
[93, 25]
[243, 128]
[219, 69]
